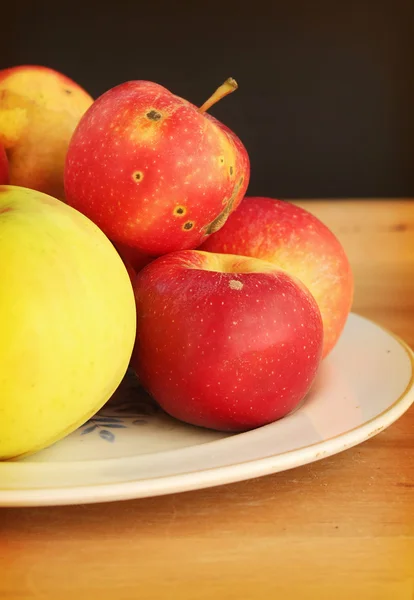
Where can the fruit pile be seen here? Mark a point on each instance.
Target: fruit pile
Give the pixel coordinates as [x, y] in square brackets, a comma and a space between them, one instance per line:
[126, 240]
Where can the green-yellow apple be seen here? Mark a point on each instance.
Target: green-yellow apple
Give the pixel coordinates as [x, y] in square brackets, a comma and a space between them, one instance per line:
[4, 167]
[153, 171]
[225, 342]
[294, 240]
[39, 110]
[67, 320]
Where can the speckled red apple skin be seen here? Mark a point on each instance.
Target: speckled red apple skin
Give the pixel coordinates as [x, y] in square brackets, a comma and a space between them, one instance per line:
[151, 171]
[295, 240]
[224, 355]
[4, 167]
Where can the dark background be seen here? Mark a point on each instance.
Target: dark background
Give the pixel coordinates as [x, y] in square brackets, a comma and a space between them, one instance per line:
[326, 99]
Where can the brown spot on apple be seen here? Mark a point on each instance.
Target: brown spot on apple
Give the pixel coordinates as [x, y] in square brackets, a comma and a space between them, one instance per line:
[221, 160]
[154, 115]
[179, 211]
[67, 91]
[224, 215]
[231, 170]
[137, 176]
[189, 225]
[234, 284]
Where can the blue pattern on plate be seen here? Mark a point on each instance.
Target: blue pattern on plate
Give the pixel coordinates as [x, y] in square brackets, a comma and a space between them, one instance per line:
[130, 406]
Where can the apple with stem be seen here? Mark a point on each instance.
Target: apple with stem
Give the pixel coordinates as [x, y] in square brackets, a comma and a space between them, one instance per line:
[153, 171]
[224, 342]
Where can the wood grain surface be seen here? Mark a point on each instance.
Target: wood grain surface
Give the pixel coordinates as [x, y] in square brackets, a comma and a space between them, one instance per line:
[341, 528]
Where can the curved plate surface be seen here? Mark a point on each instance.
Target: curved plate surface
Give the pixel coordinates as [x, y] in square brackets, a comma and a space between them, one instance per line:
[131, 449]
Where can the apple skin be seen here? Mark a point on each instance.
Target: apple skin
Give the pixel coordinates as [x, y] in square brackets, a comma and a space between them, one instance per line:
[296, 241]
[133, 258]
[224, 342]
[67, 320]
[151, 171]
[4, 167]
[39, 110]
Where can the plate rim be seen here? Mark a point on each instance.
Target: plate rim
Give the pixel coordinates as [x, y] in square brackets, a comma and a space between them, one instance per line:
[125, 489]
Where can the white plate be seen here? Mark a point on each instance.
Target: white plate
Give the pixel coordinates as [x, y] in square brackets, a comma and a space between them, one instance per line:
[131, 449]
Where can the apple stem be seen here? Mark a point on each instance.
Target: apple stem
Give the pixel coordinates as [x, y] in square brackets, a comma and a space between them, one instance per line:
[229, 86]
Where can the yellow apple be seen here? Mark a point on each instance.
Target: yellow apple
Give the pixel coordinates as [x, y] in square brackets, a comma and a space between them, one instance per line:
[39, 110]
[67, 320]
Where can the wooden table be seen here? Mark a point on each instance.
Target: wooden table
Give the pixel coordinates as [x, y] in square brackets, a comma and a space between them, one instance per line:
[341, 528]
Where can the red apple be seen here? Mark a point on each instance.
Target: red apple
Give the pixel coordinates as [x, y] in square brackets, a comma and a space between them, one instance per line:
[296, 241]
[132, 257]
[225, 342]
[153, 171]
[131, 272]
[4, 167]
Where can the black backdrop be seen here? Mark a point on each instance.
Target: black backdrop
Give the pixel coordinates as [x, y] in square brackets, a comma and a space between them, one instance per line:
[326, 99]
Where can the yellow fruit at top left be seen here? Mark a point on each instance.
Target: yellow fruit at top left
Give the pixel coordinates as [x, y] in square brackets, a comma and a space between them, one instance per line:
[39, 110]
